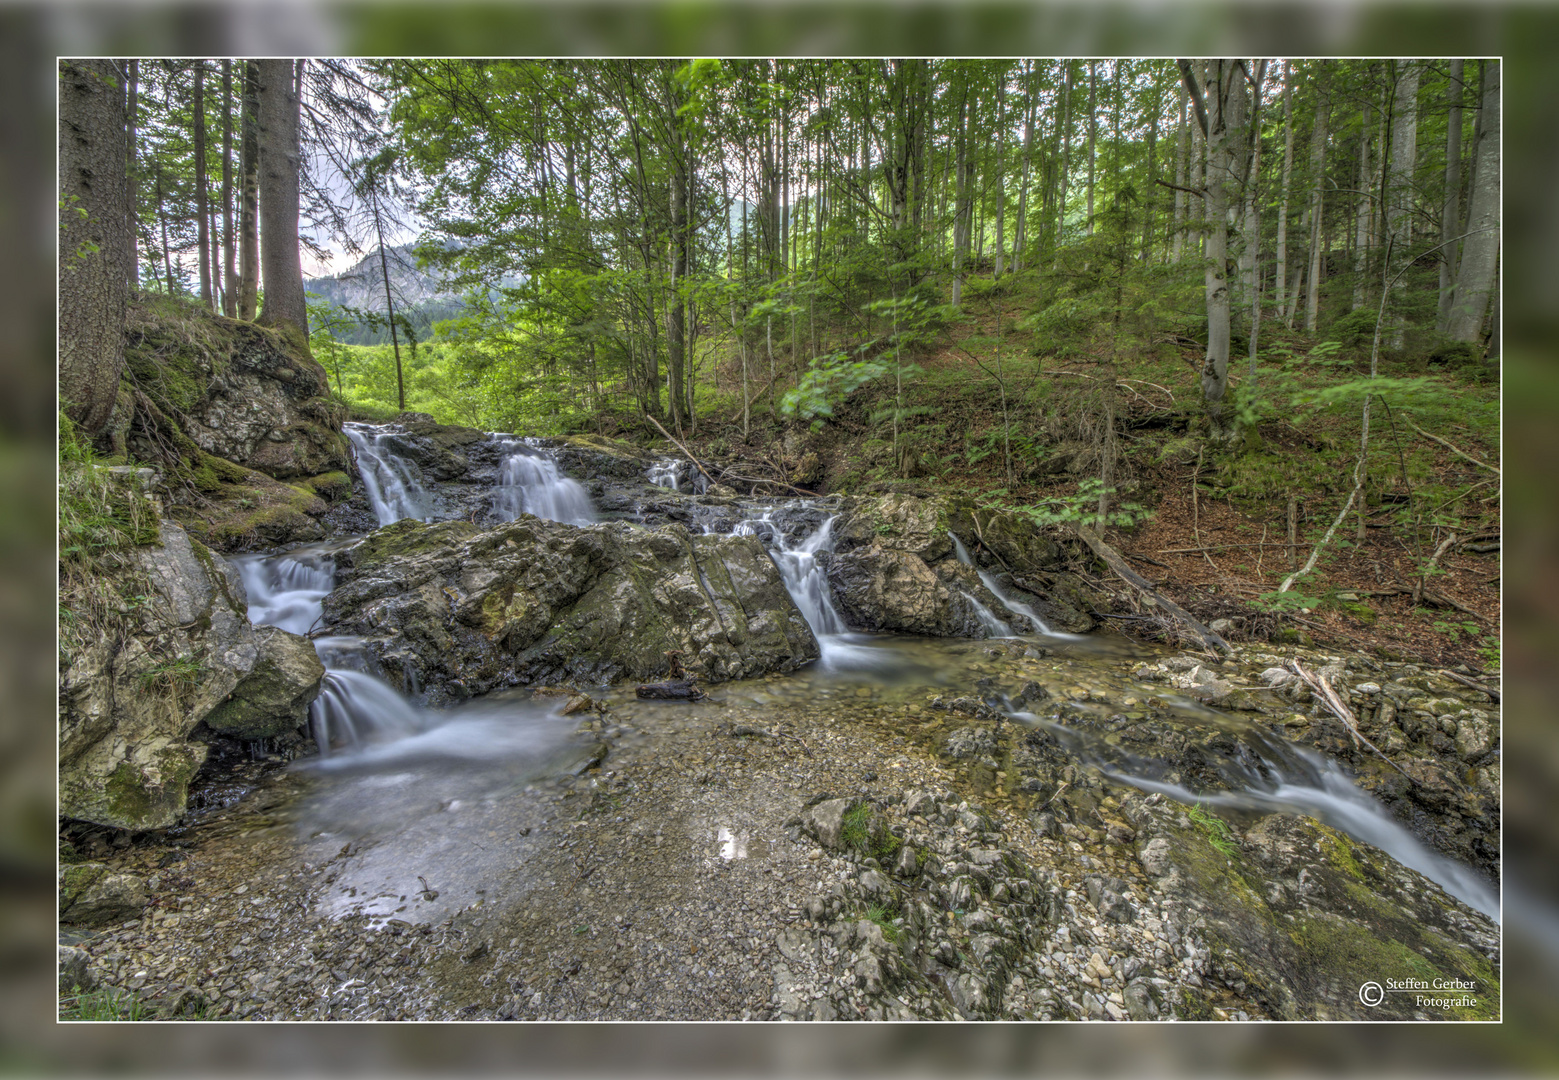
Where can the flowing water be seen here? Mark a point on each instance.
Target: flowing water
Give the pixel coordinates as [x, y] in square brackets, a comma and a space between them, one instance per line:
[418, 789]
[1014, 605]
[531, 483]
[393, 484]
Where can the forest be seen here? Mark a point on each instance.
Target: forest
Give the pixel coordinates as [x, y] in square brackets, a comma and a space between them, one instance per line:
[998, 273]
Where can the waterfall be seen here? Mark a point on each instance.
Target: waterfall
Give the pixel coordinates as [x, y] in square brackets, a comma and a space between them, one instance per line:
[394, 484]
[530, 483]
[1278, 777]
[354, 708]
[994, 627]
[808, 586]
[664, 473]
[1017, 607]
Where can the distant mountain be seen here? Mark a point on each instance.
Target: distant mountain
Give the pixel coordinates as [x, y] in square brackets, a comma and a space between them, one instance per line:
[362, 286]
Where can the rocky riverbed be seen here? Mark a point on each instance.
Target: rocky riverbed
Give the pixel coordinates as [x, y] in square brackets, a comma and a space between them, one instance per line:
[938, 837]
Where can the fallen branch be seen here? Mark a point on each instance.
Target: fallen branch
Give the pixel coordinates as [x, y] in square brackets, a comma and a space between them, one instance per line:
[1113, 559]
[1452, 449]
[684, 449]
[776, 483]
[1329, 698]
[1468, 682]
[1429, 567]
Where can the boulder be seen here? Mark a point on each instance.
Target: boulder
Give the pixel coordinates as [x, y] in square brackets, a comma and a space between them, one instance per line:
[899, 523]
[75, 970]
[881, 588]
[131, 698]
[91, 895]
[242, 392]
[467, 610]
[439, 450]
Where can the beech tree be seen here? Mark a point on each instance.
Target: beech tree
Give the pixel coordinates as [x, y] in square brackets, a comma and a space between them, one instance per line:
[1480, 251]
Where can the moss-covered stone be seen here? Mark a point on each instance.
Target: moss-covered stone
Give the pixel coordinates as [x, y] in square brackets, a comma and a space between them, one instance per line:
[333, 487]
[274, 697]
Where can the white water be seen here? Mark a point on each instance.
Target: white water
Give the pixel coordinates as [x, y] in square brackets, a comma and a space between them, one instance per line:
[994, 627]
[1311, 785]
[354, 709]
[1013, 605]
[664, 473]
[530, 483]
[394, 485]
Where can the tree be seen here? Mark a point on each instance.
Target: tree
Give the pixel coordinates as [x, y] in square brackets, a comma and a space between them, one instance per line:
[1451, 214]
[249, 193]
[94, 247]
[1399, 192]
[281, 265]
[1480, 251]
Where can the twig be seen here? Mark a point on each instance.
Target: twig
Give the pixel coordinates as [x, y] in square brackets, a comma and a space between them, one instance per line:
[776, 483]
[1196, 531]
[1261, 548]
[1452, 449]
[1468, 682]
[1429, 567]
[1329, 697]
[684, 449]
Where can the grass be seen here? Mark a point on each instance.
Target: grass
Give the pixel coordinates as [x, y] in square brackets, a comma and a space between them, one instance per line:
[101, 1005]
[864, 832]
[1217, 830]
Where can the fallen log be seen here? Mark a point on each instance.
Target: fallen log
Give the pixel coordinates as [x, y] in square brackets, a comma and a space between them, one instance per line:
[674, 690]
[1112, 558]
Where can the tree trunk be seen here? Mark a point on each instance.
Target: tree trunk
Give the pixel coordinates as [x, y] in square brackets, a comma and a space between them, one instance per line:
[1480, 251]
[281, 266]
[1066, 158]
[162, 221]
[961, 185]
[1281, 287]
[1451, 211]
[202, 235]
[93, 258]
[1221, 183]
[229, 272]
[132, 202]
[1361, 238]
[1317, 204]
[249, 188]
[1182, 154]
[1000, 170]
[1148, 187]
[1404, 156]
[676, 342]
[1093, 136]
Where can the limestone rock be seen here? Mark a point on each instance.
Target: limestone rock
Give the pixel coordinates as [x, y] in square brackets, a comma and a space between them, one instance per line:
[130, 701]
[824, 822]
[468, 610]
[90, 895]
[75, 970]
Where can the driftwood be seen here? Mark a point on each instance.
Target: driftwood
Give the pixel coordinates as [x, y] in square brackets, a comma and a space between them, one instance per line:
[1489, 690]
[674, 690]
[1335, 703]
[1113, 559]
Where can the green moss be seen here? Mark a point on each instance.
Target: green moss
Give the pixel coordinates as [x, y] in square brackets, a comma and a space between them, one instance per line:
[865, 832]
[1342, 949]
[332, 486]
[77, 879]
[128, 799]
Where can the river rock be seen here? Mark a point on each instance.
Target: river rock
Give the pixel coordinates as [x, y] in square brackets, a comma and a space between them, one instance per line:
[131, 700]
[881, 588]
[75, 970]
[439, 450]
[824, 821]
[468, 610]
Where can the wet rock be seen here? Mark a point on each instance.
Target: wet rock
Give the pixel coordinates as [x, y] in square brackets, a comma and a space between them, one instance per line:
[880, 588]
[536, 601]
[970, 743]
[274, 696]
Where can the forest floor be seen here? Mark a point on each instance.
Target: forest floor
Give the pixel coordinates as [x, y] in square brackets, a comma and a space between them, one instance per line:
[1212, 532]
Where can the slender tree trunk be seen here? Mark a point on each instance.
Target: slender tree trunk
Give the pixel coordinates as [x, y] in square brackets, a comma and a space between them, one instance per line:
[1220, 185]
[1252, 229]
[93, 260]
[281, 266]
[389, 298]
[249, 189]
[1001, 172]
[1450, 212]
[162, 221]
[1093, 135]
[202, 237]
[1182, 154]
[1361, 241]
[961, 183]
[1280, 289]
[1148, 194]
[1020, 231]
[1066, 158]
[1480, 251]
[132, 201]
[1404, 157]
[229, 272]
[1317, 203]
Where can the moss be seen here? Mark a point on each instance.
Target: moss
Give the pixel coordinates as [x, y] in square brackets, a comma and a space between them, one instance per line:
[77, 879]
[865, 832]
[409, 537]
[333, 487]
[128, 799]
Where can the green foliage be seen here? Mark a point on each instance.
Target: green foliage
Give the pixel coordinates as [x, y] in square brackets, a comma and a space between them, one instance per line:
[1286, 601]
[1081, 508]
[99, 1005]
[827, 381]
[864, 832]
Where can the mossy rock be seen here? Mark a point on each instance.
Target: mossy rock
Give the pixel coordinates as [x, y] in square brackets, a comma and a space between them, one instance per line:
[333, 487]
[243, 509]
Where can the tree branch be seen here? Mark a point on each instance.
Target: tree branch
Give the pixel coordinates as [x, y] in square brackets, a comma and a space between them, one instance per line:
[1188, 77]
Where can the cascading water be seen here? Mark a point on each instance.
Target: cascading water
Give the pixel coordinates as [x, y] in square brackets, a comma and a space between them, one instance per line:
[994, 627]
[1278, 777]
[665, 473]
[394, 485]
[354, 708]
[1017, 607]
[530, 483]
